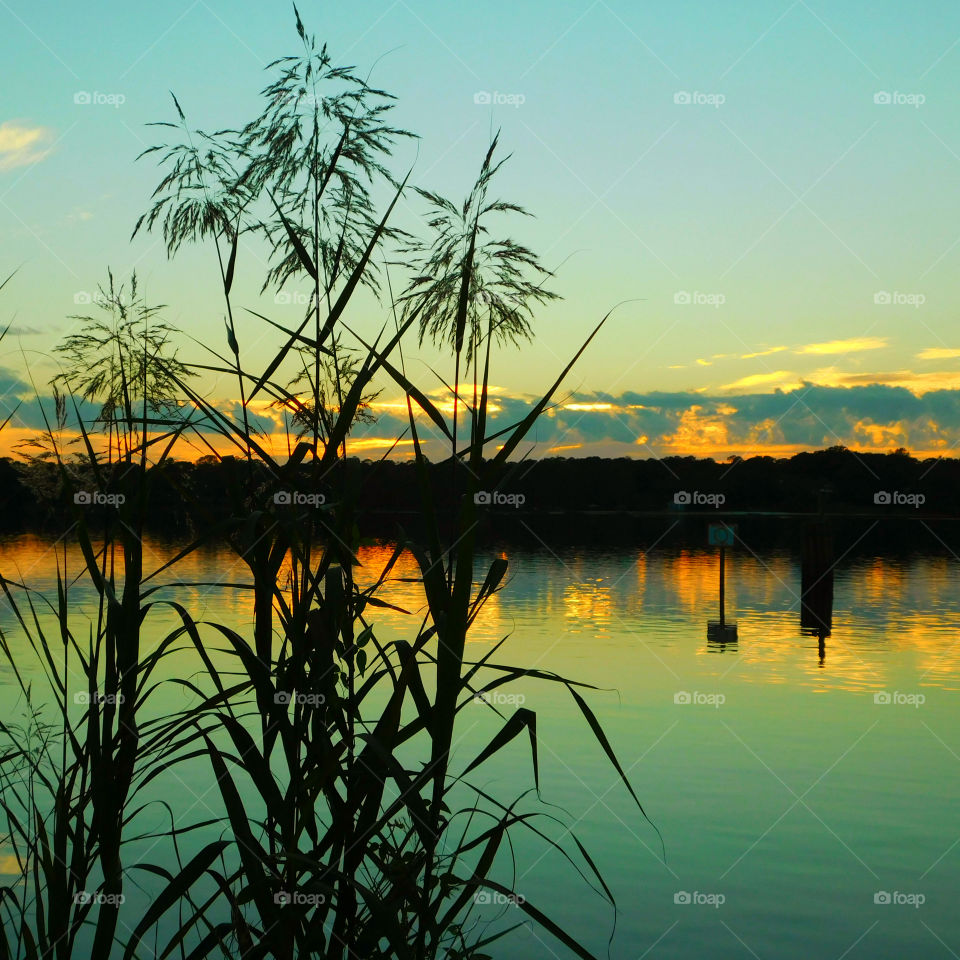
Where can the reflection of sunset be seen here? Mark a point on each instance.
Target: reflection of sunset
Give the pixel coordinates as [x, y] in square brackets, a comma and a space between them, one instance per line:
[877, 580]
[641, 572]
[892, 617]
[213, 583]
[692, 577]
[404, 590]
[588, 601]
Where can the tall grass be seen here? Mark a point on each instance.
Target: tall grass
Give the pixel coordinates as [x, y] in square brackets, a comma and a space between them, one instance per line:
[347, 828]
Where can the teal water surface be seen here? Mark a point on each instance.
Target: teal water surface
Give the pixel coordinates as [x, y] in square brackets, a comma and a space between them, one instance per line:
[807, 797]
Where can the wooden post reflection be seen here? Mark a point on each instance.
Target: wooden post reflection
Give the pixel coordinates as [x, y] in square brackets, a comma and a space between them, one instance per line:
[816, 583]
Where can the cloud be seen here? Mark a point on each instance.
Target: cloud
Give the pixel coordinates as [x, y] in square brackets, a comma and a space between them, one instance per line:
[854, 345]
[12, 386]
[591, 407]
[781, 422]
[920, 414]
[917, 383]
[782, 378]
[17, 331]
[938, 353]
[812, 416]
[21, 146]
[763, 353]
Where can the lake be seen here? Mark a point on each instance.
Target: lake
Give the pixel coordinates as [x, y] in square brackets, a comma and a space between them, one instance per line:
[807, 795]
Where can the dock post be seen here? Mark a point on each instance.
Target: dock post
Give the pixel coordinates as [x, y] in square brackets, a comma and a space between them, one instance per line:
[720, 632]
[722, 604]
[816, 579]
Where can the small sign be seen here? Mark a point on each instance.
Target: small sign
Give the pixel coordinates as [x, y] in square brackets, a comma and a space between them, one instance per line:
[722, 534]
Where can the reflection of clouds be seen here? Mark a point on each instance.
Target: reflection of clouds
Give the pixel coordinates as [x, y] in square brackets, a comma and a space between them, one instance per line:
[688, 581]
[588, 603]
[894, 621]
[876, 580]
[776, 653]
[403, 589]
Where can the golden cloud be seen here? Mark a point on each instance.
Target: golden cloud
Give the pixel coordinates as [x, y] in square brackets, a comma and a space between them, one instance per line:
[854, 345]
[783, 379]
[697, 432]
[938, 353]
[21, 146]
[762, 353]
[916, 383]
[881, 435]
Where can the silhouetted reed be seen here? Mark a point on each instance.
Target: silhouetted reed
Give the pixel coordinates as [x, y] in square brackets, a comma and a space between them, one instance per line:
[346, 828]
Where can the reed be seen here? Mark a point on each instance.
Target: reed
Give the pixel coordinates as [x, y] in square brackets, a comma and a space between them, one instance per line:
[347, 830]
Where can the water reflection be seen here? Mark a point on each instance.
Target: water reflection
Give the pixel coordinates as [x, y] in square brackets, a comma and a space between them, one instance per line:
[841, 637]
[877, 783]
[816, 583]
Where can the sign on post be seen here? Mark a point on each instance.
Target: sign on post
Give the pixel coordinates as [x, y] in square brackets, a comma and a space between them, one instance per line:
[722, 534]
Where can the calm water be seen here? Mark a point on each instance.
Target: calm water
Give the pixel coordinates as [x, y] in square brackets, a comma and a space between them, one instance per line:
[789, 799]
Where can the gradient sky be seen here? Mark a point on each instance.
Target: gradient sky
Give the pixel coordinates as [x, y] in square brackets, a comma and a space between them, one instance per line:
[813, 230]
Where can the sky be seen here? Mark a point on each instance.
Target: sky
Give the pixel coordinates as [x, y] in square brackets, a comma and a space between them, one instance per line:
[768, 190]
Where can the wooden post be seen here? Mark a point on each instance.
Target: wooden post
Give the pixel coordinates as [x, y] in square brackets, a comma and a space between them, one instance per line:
[721, 586]
[816, 579]
[722, 535]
